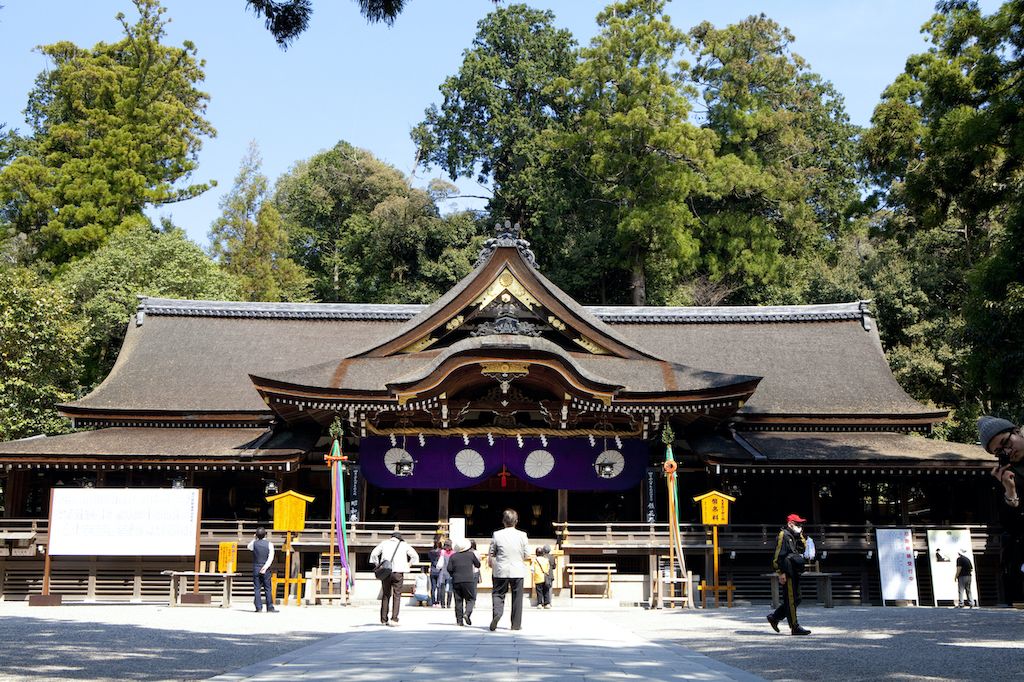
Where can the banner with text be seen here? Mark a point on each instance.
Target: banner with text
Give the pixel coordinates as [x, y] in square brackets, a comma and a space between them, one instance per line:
[124, 522]
[896, 564]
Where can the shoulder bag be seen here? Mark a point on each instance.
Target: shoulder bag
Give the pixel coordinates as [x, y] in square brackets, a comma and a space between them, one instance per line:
[382, 571]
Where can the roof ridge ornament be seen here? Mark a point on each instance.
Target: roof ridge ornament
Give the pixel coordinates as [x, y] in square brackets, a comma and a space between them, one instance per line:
[506, 235]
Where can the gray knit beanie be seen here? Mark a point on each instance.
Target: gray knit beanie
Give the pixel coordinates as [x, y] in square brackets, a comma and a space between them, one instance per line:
[990, 427]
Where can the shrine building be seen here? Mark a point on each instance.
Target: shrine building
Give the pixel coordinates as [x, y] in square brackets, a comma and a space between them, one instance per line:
[507, 393]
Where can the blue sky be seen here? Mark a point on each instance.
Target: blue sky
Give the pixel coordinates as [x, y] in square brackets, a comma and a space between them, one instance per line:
[369, 84]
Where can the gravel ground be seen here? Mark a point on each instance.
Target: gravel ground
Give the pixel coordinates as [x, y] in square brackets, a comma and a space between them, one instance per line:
[854, 643]
[150, 642]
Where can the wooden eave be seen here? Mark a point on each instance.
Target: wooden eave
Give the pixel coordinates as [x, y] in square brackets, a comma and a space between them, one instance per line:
[86, 414]
[68, 461]
[890, 466]
[879, 421]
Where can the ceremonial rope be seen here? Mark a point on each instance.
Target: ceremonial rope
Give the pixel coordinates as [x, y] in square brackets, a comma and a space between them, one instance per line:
[500, 431]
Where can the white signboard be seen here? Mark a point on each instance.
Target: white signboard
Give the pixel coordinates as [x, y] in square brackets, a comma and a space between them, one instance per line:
[943, 549]
[896, 564]
[456, 528]
[124, 521]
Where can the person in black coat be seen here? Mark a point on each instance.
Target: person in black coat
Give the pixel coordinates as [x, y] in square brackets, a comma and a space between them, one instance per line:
[461, 566]
[788, 563]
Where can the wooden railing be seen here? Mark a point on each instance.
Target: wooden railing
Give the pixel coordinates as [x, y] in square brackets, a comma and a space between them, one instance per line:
[583, 536]
[745, 537]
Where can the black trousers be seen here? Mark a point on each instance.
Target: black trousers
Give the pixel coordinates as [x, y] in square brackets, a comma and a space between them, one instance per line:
[391, 591]
[501, 586]
[261, 584]
[790, 600]
[543, 593]
[465, 600]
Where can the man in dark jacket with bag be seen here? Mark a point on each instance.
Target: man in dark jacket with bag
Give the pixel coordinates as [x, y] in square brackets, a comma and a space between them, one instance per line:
[788, 563]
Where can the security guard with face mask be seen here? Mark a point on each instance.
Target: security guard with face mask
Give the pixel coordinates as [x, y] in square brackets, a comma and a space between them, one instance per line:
[788, 563]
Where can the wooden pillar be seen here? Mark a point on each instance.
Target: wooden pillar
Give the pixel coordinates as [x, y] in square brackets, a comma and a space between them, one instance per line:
[563, 505]
[15, 492]
[90, 587]
[442, 504]
[653, 581]
[137, 580]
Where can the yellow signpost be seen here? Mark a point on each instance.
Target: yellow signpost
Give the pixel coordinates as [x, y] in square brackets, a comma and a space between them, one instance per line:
[714, 512]
[289, 516]
[227, 558]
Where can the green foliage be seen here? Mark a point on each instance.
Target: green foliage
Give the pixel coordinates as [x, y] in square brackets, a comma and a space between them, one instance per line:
[114, 129]
[250, 241]
[631, 143]
[40, 354]
[794, 147]
[595, 153]
[288, 19]
[498, 104]
[137, 261]
[945, 152]
[365, 235]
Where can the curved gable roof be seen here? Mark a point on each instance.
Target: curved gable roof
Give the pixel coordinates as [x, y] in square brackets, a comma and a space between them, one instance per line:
[194, 358]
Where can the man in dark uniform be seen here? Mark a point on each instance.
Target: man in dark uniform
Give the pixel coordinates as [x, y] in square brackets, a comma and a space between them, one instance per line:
[788, 563]
[262, 557]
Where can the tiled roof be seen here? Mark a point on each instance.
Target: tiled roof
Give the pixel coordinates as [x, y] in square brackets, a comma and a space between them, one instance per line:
[611, 314]
[837, 448]
[177, 444]
[815, 360]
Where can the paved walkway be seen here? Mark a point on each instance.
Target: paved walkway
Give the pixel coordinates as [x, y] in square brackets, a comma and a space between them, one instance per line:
[586, 640]
[567, 646]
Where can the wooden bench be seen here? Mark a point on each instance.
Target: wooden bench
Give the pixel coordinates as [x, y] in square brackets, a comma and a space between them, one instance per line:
[590, 574]
[179, 585]
[824, 586]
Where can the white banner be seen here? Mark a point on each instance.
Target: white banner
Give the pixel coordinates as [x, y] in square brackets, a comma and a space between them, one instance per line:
[124, 521]
[896, 564]
[943, 548]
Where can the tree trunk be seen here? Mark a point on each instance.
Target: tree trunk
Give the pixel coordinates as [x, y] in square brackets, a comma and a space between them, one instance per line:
[335, 271]
[638, 280]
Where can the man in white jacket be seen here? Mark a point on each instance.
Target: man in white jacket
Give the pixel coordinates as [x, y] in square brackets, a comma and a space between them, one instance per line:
[507, 555]
[401, 556]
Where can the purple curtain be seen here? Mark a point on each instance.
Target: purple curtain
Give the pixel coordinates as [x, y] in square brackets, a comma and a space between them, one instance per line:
[569, 464]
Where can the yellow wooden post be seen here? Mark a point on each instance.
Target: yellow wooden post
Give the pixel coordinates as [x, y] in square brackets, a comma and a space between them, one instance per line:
[290, 516]
[714, 512]
[714, 545]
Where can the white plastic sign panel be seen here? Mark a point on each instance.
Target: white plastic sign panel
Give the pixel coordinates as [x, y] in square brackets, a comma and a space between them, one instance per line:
[944, 546]
[124, 521]
[896, 564]
[457, 528]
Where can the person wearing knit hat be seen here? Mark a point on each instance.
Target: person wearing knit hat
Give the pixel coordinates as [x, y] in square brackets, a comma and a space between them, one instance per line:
[1003, 439]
